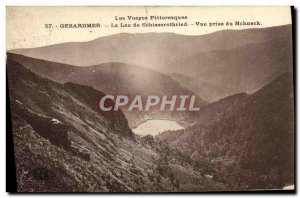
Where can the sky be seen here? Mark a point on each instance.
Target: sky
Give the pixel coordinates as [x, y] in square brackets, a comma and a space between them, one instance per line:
[26, 26]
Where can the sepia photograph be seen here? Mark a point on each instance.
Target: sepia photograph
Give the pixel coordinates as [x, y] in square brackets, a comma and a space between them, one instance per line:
[150, 99]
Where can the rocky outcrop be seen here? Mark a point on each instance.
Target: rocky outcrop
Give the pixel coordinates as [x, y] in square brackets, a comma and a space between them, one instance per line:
[50, 128]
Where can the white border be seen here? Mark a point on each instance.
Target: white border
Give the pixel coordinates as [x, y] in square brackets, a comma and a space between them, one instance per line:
[5, 3]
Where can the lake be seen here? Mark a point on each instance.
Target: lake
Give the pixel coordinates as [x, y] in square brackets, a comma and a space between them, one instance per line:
[154, 127]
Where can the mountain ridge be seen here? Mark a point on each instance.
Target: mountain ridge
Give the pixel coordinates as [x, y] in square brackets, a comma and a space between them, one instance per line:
[201, 56]
[164, 33]
[112, 79]
[132, 51]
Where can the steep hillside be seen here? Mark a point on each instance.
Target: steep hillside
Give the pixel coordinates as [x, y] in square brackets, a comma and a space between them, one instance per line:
[248, 138]
[63, 143]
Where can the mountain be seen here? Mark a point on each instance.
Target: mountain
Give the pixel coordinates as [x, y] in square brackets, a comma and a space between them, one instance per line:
[248, 138]
[217, 74]
[243, 141]
[64, 143]
[218, 60]
[114, 79]
[152, 50]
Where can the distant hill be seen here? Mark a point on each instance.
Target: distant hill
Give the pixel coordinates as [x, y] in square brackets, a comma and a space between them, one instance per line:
[152, 50]
[224, 62]
[248, 138]
[221, 73]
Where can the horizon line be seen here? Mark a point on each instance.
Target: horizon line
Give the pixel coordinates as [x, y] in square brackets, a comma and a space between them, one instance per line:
[143, 33]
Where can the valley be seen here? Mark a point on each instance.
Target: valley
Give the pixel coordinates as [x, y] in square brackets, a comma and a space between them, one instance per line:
[58, 130]
[87, 117]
